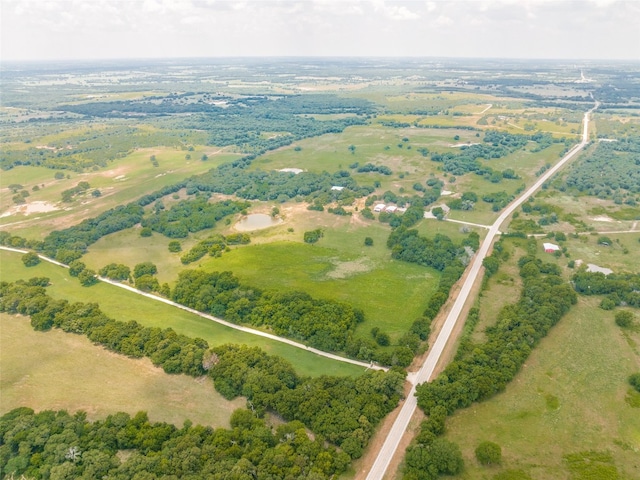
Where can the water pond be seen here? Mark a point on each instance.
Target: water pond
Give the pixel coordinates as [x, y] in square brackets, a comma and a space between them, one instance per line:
[256, 221]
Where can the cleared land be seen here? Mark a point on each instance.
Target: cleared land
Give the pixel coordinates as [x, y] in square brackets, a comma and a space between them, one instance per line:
[122, 305]
[56, 370]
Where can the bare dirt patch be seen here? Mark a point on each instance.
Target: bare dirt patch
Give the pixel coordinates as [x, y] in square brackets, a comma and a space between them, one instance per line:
[602, 218]
[29, 208]
[346, 269]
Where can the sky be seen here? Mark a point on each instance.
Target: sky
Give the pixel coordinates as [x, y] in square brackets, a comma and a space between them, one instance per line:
[120, 29]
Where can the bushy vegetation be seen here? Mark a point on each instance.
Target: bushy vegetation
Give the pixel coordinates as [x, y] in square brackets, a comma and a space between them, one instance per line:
[611, 171]
[235, 179]
[617, 287]
[242, 120]
[214, 245]
[190, 215]
[53, 444]
[344, 411]
[486, 369]
[496, 144]
[323, 324]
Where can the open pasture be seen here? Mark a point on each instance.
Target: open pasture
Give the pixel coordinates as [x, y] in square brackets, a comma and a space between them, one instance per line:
[56, 370]
[569, 398]
[123, 305]
[123, 181]
[339, 267]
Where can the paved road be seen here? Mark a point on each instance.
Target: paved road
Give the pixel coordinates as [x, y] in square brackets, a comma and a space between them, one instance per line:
[426, 371]
[216, 319]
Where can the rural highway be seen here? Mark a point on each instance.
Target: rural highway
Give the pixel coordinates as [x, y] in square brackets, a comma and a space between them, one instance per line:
[425, 373]
[251, 331]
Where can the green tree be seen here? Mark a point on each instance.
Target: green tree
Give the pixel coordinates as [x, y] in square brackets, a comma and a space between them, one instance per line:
[30, 259]
[144, 268]
[624, 318]
[76, 267]
[634, 381]
[87, 277]
[368, 241]
[174, 246]
[489, 453]
[438, 212]
[313, 236]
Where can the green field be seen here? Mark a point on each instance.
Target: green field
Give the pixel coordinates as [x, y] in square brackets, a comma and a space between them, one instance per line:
[568, 398]
[572, 394]
[123, 305]
[123, 181]
[56, 370]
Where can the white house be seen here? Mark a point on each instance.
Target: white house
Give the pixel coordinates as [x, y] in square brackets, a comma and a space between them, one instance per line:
[391, 209]
[379, 207]
[550, 247]
[337, 188]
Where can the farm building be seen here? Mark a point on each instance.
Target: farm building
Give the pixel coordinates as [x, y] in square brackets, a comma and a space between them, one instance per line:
[379, 207]
[550, 247]
[337, 188]
[391, 209]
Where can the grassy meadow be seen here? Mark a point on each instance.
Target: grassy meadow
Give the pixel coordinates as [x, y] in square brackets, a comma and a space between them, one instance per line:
[123, 305]
[123, 181]
[571, 397]
[60, 371]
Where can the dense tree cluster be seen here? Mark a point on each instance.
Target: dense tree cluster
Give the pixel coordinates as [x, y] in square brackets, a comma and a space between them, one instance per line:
[214, 245]
[617, 287]
[235, 179]
[611, 171]
[190, 215]
[487, 368]
[324, 324]
[115, 271]
[92, 148]
[439, 252]
[497, 144]
[370, 167]
[53, 445]
[81, 187]
[342, 409]
[71, 243]
[244, 120]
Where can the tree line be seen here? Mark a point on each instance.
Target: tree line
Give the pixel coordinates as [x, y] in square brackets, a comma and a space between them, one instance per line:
[479, 371]
[56, 444]
[344, 410]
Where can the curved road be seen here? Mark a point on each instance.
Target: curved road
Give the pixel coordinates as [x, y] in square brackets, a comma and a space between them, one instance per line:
[216, 319]
[392, 441]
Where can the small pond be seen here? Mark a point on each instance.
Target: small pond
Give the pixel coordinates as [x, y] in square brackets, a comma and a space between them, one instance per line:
[256, 221]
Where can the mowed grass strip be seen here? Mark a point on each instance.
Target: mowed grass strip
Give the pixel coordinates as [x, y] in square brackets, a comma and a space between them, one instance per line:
[569, 397]
[123, 305]
[56, 370]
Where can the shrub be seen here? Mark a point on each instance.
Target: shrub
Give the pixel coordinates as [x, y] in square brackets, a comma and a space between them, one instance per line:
[489, 453]
[30, 259]
[174, 246]
[624, 318]
[368, 241]
[313, 236]
[634, 381]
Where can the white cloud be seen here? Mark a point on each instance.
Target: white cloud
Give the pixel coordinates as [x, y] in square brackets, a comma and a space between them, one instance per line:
[147, 28]
[401, 13]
